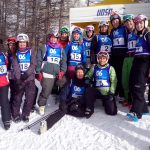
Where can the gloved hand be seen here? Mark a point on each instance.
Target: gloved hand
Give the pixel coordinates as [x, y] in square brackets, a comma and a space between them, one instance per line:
[87, 82]
[111, 96]
[24, 76]
[19, 85]
[60, 75]
[39, 76]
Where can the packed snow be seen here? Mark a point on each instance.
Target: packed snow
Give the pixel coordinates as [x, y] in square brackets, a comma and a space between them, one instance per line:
[100, 132]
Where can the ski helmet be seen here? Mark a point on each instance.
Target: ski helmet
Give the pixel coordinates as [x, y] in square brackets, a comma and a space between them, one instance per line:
[54, 33]
[140, 18]
[101, 23]
[103, 53]
[127, 17]
[11, 40]
[115, 16]
[64, 29]
[89, 28]
[77, 30]
[23, 37]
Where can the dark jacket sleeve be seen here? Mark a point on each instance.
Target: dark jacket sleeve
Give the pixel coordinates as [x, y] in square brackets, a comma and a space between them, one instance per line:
[39, 58]
[147, 37]
[16, 68]
[93, 50]
[32, 66]
[31, 70]
[63, 63]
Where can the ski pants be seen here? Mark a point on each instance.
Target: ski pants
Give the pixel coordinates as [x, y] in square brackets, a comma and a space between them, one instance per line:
[138, 78]
[29, 89]
[12, 90]
[76, 107]
[117, 63]
[127, 64]
[4, 103]
[109, 104]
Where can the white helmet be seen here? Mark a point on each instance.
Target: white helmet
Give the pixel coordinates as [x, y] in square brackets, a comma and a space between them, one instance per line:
[101, 23]
[22, 37]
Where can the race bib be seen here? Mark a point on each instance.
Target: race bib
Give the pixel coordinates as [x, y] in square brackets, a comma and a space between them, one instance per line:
[87, 52]
[24, 66]
[106, 48]
[118, 41]
[75, 56]
[139, 49]
[53, 60]
[3, 69]
[101, 83]
[131, 44]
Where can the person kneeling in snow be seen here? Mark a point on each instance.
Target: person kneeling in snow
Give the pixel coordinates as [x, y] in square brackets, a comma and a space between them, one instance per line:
[72, 95]
[104, 85]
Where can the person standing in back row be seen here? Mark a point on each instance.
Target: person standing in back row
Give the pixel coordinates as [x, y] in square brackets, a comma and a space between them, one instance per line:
[140, 69]
[127, 64]
[119, 49]
[101, 42]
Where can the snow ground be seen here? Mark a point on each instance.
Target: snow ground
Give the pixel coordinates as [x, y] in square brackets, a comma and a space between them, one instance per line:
[100, 132]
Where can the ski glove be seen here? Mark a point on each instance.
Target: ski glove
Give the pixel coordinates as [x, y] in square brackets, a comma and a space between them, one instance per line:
[19, 85]
[60, 75]
[24, 76]
[39, 76]
[111, 96]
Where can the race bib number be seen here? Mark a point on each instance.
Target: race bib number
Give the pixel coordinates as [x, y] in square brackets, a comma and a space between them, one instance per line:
[3, 69]
[101, 83]
[106, 48]
[139, 49]
[131, 44]
[87, 52]
[24, 66]
[75, 56]
[53, 60]
[118, 41]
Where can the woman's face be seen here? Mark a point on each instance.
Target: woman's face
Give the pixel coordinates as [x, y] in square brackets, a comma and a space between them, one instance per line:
[22, 44]
[64, 35]
[115, 23]
[102, 60]
[53, 39]
[104, 28]
[139, 26]
[89, 34]
[76, 36]
[80, 74]
[129, 24]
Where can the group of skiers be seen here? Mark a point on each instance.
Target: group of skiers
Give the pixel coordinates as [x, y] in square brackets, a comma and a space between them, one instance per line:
[85, 66]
